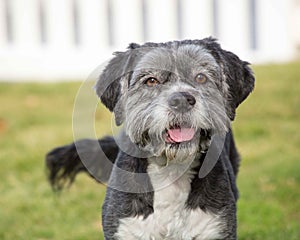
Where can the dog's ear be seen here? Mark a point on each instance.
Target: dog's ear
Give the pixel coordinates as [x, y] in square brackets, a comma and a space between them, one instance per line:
[114, 80]
[240, 80]
[237, 73]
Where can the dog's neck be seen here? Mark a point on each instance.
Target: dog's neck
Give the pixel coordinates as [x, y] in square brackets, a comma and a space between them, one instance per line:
[163, 172]
[163, 162]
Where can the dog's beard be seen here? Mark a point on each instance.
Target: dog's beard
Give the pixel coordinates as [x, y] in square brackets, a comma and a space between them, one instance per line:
[149, 130]
[158, 144]
[178, 152]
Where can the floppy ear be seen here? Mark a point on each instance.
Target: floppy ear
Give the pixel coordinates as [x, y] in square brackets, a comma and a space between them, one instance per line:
[238, 75]
[240, 80]
[113, 81]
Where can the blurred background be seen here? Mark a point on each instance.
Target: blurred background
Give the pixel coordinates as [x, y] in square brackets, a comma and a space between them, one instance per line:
[45, 39]
[49, 47]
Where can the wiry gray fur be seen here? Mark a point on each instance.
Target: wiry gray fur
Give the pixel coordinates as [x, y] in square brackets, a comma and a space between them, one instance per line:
[146, 116]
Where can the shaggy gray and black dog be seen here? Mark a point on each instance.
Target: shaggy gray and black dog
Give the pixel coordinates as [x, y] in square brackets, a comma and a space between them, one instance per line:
[175, 100]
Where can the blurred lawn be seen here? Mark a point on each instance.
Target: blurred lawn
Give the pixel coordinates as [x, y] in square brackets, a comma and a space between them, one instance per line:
[37, 117]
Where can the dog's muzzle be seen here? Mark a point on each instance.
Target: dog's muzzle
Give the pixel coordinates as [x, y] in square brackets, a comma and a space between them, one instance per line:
[180, 102]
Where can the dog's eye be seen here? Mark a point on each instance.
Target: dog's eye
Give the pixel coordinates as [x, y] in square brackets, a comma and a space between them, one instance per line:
[151, 82]
[200, 78]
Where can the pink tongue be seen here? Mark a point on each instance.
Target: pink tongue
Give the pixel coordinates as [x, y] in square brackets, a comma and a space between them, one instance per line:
[180, 135]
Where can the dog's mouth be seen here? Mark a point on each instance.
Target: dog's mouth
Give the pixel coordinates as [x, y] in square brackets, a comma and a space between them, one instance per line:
[179, 137]
[180, 134]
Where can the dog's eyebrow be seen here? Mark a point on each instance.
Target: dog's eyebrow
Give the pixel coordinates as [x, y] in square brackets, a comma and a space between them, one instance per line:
[162, 75]
[136, 76]
[204, 64]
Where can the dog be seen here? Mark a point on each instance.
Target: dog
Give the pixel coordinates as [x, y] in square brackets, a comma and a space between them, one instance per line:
[172, 99]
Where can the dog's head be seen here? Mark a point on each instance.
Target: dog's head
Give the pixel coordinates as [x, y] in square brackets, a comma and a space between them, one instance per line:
[173, 96]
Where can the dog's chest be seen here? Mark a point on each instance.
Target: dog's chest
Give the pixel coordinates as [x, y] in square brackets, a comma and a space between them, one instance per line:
[171, 218]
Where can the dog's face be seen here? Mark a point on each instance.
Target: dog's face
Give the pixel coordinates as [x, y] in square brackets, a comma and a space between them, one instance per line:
[173, 97]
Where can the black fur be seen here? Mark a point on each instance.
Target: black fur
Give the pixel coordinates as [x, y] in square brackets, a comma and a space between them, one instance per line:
[214, 192]
[64, 163]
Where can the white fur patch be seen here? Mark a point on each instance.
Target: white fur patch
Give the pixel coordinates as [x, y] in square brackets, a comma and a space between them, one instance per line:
[171, 219]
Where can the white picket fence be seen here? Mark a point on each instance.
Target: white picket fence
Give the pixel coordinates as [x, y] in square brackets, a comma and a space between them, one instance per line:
[67, 39]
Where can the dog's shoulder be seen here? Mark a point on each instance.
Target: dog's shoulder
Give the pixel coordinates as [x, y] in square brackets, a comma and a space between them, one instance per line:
[220, 184]
[126, 194]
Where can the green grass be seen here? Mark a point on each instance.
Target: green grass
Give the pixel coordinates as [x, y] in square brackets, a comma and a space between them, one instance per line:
[267, 134]
[36, 117]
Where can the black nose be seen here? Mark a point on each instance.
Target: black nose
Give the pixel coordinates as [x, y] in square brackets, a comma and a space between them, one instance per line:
[181, 101]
